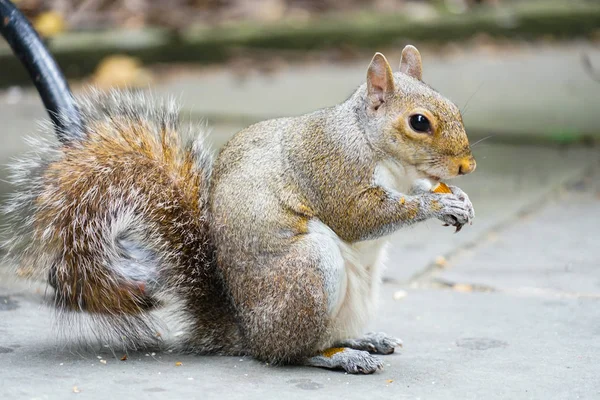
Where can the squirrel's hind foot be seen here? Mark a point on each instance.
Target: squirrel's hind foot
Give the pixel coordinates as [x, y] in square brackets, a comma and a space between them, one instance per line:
[350, 360]
[373, 342]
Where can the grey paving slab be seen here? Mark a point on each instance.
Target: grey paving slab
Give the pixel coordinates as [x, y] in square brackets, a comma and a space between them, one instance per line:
[457, 345]
[555, 250]
[18, 120]
[20, 113]
[487, 345]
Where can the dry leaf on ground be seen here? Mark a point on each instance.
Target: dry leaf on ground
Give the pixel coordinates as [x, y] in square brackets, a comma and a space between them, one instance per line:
[49, 24]
[120, 71]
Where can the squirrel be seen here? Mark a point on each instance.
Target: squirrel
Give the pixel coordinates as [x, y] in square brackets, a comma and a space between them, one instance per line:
[274, 248]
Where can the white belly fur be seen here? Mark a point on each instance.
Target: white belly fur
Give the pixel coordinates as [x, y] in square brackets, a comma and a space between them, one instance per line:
[352, 276]
[355, 270]
[358, 298]
[363, 266]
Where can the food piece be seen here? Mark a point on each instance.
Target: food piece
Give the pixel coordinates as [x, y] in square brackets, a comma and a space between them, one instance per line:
[441, 261]
[428, 185]
[441, 187]
[462, 287]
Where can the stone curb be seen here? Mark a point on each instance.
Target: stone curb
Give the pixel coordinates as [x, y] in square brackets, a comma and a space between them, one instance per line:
[80, 52]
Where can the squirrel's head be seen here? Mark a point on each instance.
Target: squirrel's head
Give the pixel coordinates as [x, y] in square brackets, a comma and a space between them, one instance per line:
[413, 123]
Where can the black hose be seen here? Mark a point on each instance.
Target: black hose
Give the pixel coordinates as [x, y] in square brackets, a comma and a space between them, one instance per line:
[45, 73]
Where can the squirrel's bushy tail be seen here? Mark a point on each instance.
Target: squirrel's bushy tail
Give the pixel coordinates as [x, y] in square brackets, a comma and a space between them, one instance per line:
[115, 221]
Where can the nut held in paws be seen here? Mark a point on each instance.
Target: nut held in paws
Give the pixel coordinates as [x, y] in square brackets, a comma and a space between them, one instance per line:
[441, 188]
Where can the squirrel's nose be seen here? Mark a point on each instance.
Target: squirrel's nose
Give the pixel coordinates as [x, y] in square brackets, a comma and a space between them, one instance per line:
[466, 166]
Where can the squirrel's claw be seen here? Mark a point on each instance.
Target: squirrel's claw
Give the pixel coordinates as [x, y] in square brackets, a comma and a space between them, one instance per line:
[457, 226]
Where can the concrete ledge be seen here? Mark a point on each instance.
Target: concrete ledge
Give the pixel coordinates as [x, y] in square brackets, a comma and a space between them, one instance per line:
[78, 53]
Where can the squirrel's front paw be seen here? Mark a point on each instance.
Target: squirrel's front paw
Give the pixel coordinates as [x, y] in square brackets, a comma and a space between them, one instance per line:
[454, 209]
[458, 192]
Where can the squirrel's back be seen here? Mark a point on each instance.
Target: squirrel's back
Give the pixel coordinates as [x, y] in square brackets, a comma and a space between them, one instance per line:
[117, 220]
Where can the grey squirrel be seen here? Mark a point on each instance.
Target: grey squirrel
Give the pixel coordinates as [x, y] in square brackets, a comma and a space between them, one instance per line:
[273, 249]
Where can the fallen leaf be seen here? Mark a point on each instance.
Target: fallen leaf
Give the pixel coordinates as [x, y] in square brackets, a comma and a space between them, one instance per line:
[441, 261]
[120, 71]
[49, 24]
[178, 364]
[390, 381]
[462, 287]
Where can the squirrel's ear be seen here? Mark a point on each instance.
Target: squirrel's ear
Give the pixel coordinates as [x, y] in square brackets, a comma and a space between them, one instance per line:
[410, 63]
[380, 80]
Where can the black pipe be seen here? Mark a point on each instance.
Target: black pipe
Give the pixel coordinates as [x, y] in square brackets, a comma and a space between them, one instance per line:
[45, 73]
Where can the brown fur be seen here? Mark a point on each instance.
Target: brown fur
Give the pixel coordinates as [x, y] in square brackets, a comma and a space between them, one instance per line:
[132, 165]
[106, 162]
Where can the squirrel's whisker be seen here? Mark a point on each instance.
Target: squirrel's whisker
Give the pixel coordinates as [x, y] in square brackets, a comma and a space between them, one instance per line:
[481, 140]
[465, 107]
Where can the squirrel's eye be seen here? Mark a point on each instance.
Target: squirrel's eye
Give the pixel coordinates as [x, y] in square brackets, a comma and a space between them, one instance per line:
[420, 123]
